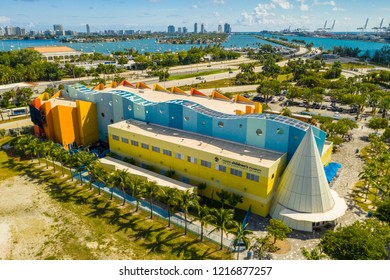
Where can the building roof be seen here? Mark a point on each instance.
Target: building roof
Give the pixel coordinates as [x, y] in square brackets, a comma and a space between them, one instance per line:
[53, 49]
[303, 193]
[223, 148]
[161, 180]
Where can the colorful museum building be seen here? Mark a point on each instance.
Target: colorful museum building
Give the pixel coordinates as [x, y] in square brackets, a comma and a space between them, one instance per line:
[227, 144]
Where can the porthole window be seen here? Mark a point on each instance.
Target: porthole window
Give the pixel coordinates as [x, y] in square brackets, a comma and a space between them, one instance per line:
[116, 100]
[240, 125]
[187, 118]
[279, 131]
[110, 103]
[103, 115]
[147, 112]
[137, 108]
[259, 132]
[220, 124]
[130, 108]
[173, 117]
[111, 121]
[161, 111]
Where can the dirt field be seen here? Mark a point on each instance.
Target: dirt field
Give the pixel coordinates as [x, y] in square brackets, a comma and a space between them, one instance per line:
[33, 226]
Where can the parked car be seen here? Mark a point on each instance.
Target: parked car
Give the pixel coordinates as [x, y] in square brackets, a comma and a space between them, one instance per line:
[281, 98]
[323, 107]
[337, 114]
[199, 78]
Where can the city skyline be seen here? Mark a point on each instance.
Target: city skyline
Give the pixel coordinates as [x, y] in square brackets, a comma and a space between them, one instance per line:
[156, 15]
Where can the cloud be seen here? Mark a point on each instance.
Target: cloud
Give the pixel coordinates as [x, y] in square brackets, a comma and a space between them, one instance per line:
[216, 14]
[283, 4]
[303, 7]
[331, 3]
[220, 2]
[195, 6]
[4, 19]
[246, 19]
[337, 9]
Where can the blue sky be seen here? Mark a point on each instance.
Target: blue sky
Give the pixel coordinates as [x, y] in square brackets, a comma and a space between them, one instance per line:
[156, 15]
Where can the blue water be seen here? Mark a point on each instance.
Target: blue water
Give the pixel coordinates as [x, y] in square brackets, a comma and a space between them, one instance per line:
[143, 45]
[149, 45]
[329, 43]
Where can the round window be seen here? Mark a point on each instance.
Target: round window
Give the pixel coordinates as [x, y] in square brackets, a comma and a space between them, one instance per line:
[203, 123]
[220, 124]
[259, 132]
[110, 103]
[130, 108]
[279, 131]
[187, 118]
[161, 111]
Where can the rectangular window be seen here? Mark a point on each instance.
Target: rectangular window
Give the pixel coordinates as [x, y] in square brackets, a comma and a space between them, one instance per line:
[125, 140]
[252, 177]
[205, 163]
[221, 168]
[145, 146]
[134, 143]
[192, 159]
[235, 172]
[167, 152]
[179, 156]
[155, 149]
[115, 137]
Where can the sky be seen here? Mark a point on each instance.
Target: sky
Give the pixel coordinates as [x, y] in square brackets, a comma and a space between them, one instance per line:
[156, 15]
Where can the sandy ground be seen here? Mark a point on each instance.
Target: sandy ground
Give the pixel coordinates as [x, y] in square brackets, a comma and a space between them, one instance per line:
[33, 226]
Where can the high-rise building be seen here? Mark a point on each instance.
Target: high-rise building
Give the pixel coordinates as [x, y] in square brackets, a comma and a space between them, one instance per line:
[179, 30]
[58, 29]
[195, 27]
[88, 30]
[202, 28]
[10, 30]
[219, 28]
[227, 28]
[185, 30]
[1, 31]
[171, 29]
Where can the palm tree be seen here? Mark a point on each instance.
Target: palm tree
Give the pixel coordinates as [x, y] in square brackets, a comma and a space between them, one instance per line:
[136, 185]
[241, 235]
[169, 196]
[151, 189]
[83, 160]
[222, 220]
[235, 199]
[62, 156]
[203, 217]
[46, 147]
[121, 178]
[314, 254]
[100, 174]
[186, 199]
[223, 196]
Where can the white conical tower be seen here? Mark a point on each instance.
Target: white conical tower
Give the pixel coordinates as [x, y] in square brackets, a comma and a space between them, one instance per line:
[303, 195]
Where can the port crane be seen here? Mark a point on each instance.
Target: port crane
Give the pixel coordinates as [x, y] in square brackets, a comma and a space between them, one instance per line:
[379, 29]
[331, 28]
[363, 29]
[323, 28]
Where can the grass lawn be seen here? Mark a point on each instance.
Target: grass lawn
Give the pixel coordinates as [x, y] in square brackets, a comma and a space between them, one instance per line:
[213, 84]
[192, 75]
[350, 66]
[5, 172]
[85, 218]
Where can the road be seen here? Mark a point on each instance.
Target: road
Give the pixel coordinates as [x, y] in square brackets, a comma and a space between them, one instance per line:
[16, 124]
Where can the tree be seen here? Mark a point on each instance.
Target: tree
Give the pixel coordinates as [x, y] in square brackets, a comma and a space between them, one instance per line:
[263, 245]
[83, 160]
[203, 217]
[314, 254]
[186, 199]
[268, 88]
[383, 211]
[169, 196]
[223, 196]
[278, 230]
[150, 190]
[136, 186]
[378, 123]
[120, 178]
[241, 235]
[235, 199]
[359, 241]
[101, 175]
[222, 220]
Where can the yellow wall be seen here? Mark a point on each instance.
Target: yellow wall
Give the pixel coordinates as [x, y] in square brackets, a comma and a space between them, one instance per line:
[327, 154]
[87, 122]
[256, 194]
